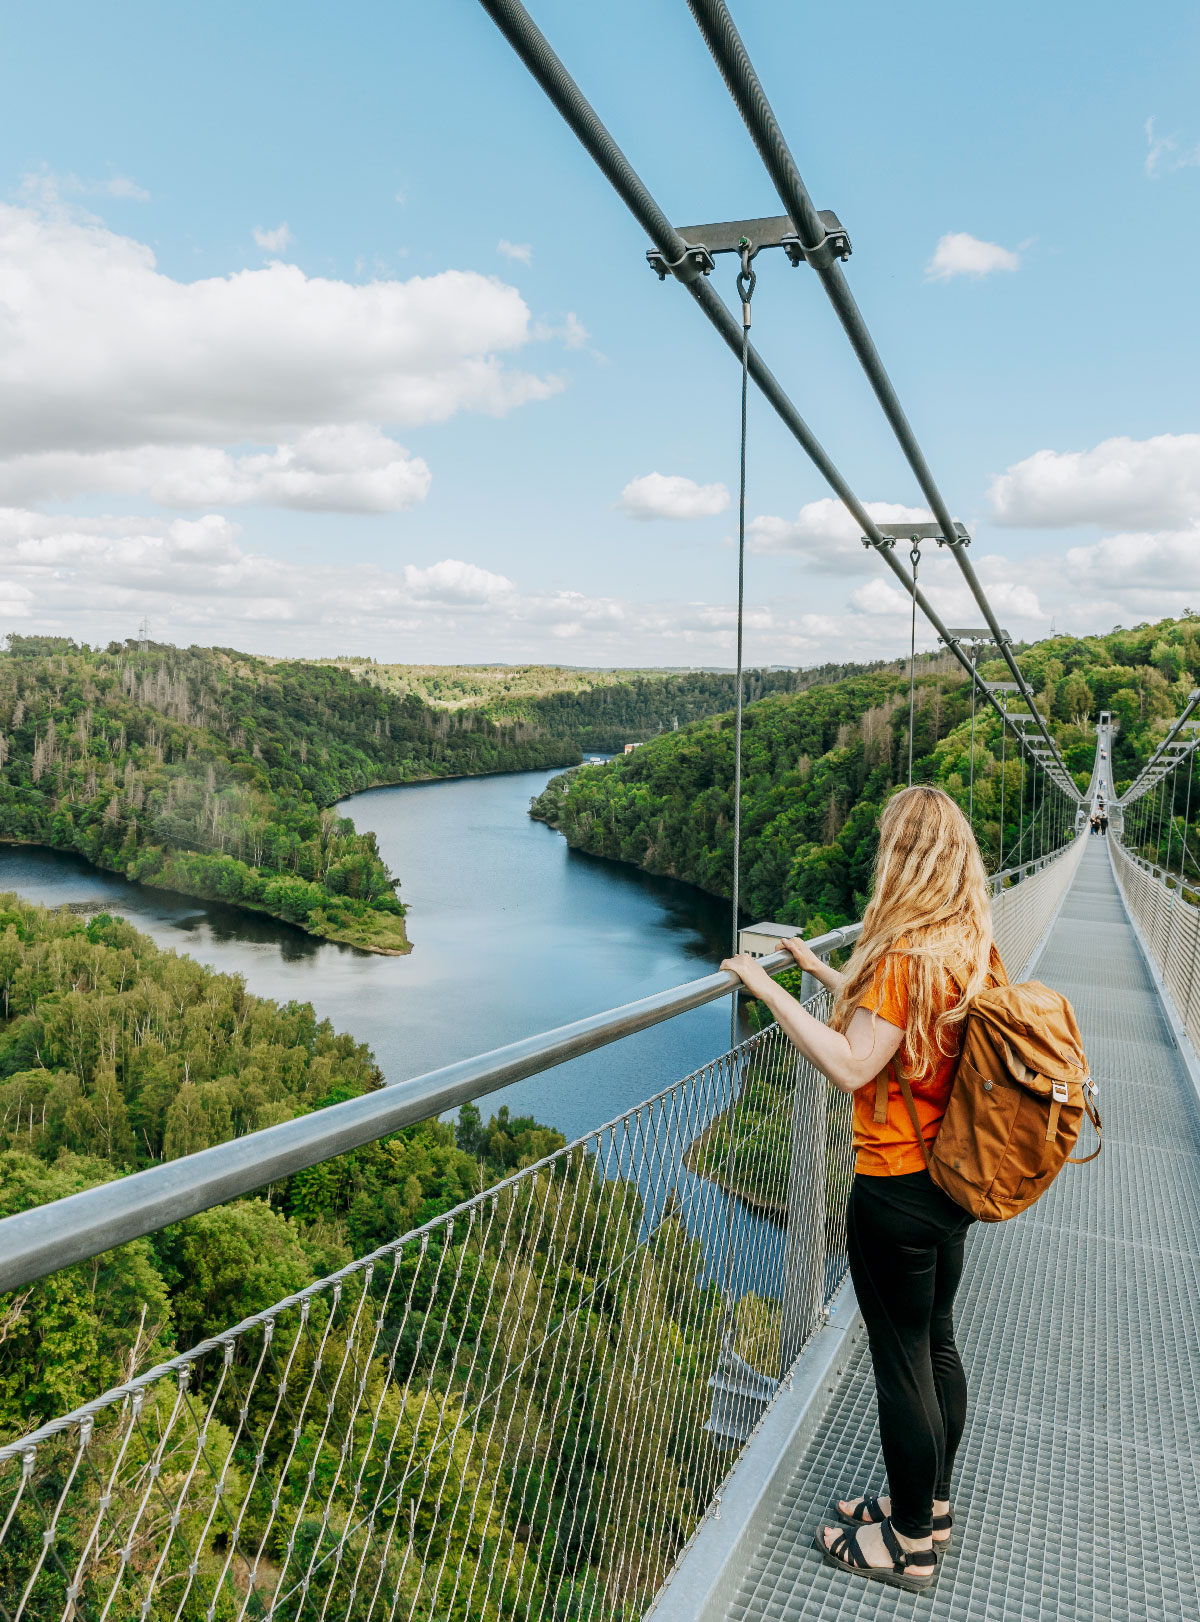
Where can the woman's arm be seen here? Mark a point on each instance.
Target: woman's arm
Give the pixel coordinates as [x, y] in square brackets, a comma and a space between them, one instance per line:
[849, 1061]
[808, 960]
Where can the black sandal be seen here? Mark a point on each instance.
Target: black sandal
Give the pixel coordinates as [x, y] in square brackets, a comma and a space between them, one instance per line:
[913, 1569]
[868, 1513]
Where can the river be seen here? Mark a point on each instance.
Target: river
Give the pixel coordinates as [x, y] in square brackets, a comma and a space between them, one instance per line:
[512, 933]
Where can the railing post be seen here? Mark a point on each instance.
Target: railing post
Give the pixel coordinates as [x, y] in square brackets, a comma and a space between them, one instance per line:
[803, 1294]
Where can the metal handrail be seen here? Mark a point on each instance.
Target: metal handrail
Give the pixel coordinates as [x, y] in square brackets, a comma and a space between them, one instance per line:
[48, 1237]
[40, 1241]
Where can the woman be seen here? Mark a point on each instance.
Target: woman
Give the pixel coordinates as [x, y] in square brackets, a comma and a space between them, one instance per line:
[926, 949]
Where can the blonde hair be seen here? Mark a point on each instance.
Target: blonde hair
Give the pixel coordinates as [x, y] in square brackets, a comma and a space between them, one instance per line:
[931, 906]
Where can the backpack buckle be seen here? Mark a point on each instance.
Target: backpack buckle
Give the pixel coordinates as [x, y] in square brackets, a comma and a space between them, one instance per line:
[1059, 1092]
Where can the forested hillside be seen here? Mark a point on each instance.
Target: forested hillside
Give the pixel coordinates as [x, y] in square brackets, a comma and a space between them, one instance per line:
[600, 710]
[819, 764]
[211, 772]
[114, 1054]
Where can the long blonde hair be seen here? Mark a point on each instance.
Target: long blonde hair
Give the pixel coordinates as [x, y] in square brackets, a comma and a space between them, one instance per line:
[930, 905]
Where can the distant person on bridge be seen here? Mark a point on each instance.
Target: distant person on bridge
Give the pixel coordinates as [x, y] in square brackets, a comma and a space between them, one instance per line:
[926, 949]
[1104, 822]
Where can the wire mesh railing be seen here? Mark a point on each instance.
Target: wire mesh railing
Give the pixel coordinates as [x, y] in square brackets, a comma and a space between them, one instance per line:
[523, 1409]
[1170, 927]
[1024, 910]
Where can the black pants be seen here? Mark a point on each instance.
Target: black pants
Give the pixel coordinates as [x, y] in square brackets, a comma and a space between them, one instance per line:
[906, 1242]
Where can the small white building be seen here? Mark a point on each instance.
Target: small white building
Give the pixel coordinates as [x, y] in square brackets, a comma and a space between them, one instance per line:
[760, 940]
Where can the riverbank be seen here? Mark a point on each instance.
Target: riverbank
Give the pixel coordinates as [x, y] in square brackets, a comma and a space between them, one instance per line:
[368, 929]
[212, 773]
[512, 931]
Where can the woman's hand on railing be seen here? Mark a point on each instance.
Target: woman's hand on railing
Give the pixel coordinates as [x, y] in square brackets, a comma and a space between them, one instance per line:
[750, 972]
[808, 960]
[803, 953]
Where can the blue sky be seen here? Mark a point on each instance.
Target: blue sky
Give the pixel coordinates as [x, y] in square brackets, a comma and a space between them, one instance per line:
[268, 378]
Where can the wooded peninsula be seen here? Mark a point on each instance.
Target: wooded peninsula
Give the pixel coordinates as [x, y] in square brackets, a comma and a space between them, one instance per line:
[214, 773]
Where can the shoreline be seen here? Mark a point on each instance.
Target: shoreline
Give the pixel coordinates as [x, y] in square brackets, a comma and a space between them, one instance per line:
[220, 901]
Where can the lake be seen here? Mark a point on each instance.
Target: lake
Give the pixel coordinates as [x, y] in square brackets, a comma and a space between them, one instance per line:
[512, 933]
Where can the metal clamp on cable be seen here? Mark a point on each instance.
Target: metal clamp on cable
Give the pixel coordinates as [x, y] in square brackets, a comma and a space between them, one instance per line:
[693, 262]
[921, 532]
[961, 536]
[835, 244]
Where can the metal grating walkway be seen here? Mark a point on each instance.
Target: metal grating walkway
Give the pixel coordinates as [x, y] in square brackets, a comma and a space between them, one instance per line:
[1080, 1330]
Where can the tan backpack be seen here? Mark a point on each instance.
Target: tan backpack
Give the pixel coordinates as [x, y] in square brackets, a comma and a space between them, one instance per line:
[1017, 1102]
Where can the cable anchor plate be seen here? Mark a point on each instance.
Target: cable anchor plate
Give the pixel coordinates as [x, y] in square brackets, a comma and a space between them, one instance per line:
[727, 236]
[919, 532]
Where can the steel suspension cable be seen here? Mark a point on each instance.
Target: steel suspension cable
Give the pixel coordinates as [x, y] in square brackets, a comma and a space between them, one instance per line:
[732, 59]
[531, 45]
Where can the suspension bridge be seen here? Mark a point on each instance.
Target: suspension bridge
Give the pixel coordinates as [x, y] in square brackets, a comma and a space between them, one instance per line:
[629, 1380]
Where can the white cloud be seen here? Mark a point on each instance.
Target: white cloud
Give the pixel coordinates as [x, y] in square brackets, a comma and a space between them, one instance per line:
[454, 582]
[274, 240]
[196, 581]
[575, 334]
[51, 190]
[121, 186]
[669, 495]
[351, 468]
[521, 251]
[571, 333]
[1146, 482]
[825, 533]
[958, 254]
[878, 598]
[15, 601]
[1123, 578]
[1145, 562]
[1164, 153]
[101, 350]
[881, 598]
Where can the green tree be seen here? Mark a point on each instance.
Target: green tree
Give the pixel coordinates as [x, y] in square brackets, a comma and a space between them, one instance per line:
[82, 1329]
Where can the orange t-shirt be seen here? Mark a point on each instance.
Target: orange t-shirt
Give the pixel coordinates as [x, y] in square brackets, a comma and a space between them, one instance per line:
[890, 1148]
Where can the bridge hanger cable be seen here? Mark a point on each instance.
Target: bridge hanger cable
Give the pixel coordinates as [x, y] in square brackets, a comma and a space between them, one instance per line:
[1171, 816]
[1187, 816]
[914, 558]
[746, 280]
[689, 264]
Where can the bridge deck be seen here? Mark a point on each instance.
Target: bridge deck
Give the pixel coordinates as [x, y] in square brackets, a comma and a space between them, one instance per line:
[1080, 1327]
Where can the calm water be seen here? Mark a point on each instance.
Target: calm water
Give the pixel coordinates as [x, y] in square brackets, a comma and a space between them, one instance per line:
[512, 933]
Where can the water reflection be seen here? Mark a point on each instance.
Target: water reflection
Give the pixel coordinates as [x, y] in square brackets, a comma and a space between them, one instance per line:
[513, 933]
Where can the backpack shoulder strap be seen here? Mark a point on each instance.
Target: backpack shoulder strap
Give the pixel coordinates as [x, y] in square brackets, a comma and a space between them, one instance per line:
[881, 1094]
[906, 1094]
